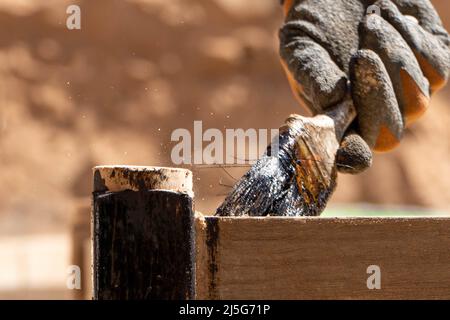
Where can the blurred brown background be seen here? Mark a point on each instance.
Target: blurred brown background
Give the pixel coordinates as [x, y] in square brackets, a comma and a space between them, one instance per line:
[113, 92]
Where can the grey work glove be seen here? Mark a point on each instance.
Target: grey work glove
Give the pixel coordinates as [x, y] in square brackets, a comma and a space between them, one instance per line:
[391, 63]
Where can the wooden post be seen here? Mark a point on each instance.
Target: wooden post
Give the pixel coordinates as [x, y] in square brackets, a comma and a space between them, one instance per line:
[143, 234]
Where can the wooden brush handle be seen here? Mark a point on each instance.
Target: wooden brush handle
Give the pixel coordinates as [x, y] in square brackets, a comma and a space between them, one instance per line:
[343, 115]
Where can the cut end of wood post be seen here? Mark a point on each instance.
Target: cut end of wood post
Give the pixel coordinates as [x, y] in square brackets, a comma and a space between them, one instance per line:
[140, 178]
[143, 233]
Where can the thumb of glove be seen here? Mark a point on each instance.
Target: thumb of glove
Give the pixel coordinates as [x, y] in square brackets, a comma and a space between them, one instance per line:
[354, 155]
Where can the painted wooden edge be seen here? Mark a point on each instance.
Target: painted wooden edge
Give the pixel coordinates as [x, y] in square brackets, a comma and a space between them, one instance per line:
[201, 258]
[230, 249]
[309, 220]
[115, 178]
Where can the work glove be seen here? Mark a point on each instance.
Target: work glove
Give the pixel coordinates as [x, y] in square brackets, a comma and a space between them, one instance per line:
[389, 56]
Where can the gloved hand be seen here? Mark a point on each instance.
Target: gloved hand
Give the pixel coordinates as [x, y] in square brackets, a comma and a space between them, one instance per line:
[391, 64]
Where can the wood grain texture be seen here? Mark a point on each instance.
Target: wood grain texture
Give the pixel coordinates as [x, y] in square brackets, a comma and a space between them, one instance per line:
[322, 258]
[120, 178]
[143, 245]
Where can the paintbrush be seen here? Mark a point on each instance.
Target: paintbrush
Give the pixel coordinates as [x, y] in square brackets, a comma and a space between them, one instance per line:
[297, 174]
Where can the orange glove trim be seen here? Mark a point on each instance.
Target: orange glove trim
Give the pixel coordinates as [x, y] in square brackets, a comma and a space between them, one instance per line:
[386, 141]
[416, 102]
[287, 6]
[436, 80]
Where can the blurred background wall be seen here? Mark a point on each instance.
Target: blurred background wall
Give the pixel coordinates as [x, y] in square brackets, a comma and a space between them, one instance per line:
[113, 92]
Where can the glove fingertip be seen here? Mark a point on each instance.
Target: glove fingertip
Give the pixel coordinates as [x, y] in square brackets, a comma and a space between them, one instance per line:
[354, 155]
[375, 101]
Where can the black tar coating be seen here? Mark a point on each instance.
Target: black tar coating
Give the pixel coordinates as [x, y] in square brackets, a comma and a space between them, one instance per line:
[270, 188]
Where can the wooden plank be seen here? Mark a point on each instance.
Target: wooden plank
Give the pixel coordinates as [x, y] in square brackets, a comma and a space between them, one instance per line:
[322, 258]
[143, 239]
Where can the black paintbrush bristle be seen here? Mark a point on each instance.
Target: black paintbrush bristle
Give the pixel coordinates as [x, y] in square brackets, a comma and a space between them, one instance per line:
[279, 183]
